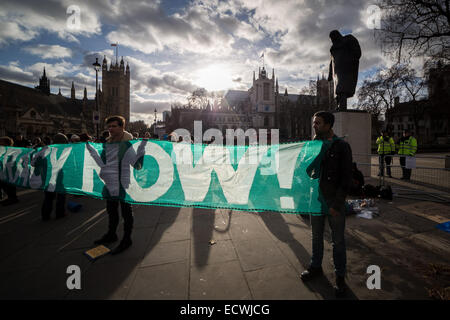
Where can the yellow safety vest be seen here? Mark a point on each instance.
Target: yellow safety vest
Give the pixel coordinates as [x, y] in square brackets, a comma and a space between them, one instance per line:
[386, 145]
[408, 147]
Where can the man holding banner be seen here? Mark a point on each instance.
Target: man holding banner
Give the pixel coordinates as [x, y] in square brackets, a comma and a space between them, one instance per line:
[335, 181]
[117, 133]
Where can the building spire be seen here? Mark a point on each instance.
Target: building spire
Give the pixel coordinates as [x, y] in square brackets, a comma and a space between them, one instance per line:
[72, 91]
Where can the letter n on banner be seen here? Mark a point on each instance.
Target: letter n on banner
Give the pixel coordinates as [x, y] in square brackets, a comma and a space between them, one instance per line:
[108, 171]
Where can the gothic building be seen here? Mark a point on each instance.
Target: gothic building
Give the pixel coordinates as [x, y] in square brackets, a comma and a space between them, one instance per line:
[37, 112]
[260, 107]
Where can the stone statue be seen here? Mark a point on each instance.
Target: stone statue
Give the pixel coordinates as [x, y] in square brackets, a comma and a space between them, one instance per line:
[344, 65]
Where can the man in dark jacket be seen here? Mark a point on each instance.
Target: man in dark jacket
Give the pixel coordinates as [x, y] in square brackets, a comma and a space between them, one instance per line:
[335, 181]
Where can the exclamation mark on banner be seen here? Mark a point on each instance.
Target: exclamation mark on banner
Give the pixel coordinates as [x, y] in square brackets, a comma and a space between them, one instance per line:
[285, 172]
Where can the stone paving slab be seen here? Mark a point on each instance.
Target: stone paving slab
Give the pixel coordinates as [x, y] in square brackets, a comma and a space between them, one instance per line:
[258, 253]
[203, 253]
[279, 282]
[166, 252]
[161, 282]
[219, 281]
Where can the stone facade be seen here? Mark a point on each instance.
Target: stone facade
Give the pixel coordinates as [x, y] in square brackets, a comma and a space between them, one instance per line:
[37, 112]
[260, 107]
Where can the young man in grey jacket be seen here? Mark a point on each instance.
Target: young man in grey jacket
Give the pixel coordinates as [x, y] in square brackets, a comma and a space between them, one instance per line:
[117, 133]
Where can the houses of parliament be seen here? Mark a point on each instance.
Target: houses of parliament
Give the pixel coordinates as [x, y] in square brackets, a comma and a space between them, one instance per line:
[37, 112]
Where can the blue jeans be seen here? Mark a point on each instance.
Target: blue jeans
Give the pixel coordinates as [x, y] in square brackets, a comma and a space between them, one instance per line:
[337, 225]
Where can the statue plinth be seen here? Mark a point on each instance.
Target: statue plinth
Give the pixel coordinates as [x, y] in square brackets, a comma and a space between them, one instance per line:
[355, 126]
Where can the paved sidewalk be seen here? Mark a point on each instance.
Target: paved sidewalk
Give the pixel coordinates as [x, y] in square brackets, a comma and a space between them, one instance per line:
[252, 256]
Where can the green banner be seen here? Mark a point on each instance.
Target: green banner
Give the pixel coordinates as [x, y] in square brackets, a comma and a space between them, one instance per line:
[249, 178]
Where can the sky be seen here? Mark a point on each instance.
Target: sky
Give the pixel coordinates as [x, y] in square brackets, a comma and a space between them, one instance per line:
[174, 47]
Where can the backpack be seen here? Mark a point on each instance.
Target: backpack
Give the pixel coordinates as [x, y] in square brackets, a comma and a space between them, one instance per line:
[386, 193]
[370, 191]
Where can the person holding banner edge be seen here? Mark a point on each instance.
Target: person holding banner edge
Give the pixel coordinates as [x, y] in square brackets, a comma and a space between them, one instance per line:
[117, 133]
[335, 178]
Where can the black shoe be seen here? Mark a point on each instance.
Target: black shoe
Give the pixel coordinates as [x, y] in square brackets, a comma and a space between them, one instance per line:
[340, 288]
[311, 273]
[124, 245]
[9, 201]
[107, 238]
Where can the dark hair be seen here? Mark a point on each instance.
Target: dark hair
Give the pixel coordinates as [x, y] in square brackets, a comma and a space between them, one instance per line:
[6, 141]
[120, 120]
[327, 117]
[84, 137]
[60, 138]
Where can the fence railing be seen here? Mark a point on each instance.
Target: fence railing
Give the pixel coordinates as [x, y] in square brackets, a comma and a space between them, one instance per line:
[429, 171]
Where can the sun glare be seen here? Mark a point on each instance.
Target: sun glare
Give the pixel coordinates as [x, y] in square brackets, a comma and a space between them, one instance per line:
[214, 78]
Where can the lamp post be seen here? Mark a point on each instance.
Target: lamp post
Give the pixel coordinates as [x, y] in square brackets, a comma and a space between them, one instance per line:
[154, 126]
[96, 67]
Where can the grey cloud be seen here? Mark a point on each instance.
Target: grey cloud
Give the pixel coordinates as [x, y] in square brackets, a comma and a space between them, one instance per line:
[6, 73]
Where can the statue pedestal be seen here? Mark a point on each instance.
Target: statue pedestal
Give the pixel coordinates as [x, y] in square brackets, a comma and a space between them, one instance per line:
[356, 128]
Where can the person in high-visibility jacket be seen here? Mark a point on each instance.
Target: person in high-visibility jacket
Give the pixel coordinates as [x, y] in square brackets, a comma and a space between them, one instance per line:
[407, 148]
[386, 148]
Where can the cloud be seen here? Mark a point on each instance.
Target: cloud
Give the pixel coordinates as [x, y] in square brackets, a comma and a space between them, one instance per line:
[24, 20]
[49, 51]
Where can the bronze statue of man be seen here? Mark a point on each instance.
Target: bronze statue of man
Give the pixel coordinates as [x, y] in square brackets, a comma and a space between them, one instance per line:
[344, 65]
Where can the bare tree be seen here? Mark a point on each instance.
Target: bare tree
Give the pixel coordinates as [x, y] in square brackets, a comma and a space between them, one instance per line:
[138, 126]
[378, 94]
[198, 99]
[310, 89]
[415, 28]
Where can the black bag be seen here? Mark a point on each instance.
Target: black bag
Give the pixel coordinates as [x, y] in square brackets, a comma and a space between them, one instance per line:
[386, 192]
[370, 191]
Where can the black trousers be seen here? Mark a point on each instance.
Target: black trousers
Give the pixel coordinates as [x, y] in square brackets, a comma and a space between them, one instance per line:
[406, 173]
[112, 208]
[47, 206]
[9, 189]
[382, 159]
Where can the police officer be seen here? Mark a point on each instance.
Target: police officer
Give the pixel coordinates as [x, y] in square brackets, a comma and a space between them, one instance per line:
[407, 148]
[386, 148]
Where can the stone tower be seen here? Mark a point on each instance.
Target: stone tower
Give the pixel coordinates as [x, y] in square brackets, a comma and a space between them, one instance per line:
[115, 96]
[262, 99]
[325, 94]
[44, 84]
[72, 92]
